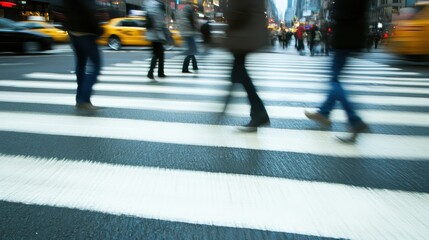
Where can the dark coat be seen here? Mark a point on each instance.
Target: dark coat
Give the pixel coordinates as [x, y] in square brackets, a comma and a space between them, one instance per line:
[156, 11]
[350, 24]
[247, 26]
[81, 17]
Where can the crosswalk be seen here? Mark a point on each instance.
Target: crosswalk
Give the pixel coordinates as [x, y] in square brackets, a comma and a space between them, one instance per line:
[161, 151]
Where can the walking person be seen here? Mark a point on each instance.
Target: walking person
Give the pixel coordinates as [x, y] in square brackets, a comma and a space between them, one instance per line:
[300, 32]
[156, 33]
[377, 38]
[205, 30]
[283, 37]
[326, 38]
[370, 40]
[315, 42]
[349, 36]
[84, 29]
[188, 29]
[246, 33]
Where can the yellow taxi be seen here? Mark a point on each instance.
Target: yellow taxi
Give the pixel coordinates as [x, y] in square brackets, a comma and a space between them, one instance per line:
[129, 31]
[46, 28]
[411, 33]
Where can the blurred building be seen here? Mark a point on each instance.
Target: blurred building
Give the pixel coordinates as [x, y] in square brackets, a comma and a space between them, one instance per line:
[383, 12]
[290, 12]
[133, 5]
[308, 10]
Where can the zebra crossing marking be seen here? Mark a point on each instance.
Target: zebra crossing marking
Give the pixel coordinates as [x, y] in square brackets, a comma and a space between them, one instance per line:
[265, 81]
[287, 140]
[232, 200]
[206, 91]
[401, 118]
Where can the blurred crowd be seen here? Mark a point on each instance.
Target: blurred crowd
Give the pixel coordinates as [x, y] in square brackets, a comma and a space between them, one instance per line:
[246, 33]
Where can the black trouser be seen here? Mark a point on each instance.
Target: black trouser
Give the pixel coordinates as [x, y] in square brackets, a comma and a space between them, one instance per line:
[239, 75]
[185, 67]
[158, 54]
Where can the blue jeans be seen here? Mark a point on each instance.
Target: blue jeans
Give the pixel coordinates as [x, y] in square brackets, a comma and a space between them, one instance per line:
[336, 91]
[190, 52]
[85, 48]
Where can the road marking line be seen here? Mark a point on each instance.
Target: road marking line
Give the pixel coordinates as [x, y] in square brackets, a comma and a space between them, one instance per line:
[399, 118]
[286, 140]
[205, 91]
[231, 200]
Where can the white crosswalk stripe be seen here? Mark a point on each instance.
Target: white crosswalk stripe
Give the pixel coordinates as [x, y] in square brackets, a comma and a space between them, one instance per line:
[393, 98]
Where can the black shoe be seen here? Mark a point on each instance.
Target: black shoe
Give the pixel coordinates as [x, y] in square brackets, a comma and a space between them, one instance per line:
[162, 75]
[186, 71]
[253, 125]
[150, 76]
[196, 69]
[354, 133]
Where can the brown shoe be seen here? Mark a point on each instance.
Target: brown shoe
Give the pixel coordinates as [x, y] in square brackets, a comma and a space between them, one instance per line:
[319, 118]
[86, 107]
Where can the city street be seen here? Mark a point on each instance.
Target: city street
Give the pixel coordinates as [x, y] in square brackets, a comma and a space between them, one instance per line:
[161, 161]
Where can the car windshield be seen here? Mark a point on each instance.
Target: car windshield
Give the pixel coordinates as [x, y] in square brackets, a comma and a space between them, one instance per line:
[422, 11]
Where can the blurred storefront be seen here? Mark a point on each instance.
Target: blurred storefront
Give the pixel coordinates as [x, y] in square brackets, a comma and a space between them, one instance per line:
[51, 10]
[20, 10]
[40, 8]
[9, 9]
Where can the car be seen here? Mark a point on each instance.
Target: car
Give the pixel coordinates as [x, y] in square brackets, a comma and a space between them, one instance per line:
[14, 38]
[129, 31]
[411, 33]
[57, 34]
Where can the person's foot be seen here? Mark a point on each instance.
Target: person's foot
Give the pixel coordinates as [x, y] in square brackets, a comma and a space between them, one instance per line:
[253, 125]
[86, 107]
[319, 118]
[187, 71]
[354, 133]
[150, 76]
[195, 69]
[162, 75]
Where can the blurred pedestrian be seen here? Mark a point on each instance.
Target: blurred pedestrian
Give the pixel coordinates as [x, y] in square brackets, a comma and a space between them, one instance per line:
[188, 29]
[316, 37]
[377, 37]
[370, 40]
[283, 34]
[247, 32]
[273, 37]
[326, 31]
[205, 30]
[349, 36]
[300, 36]
[84, 29]
[311, 35]
[157, 34]
[289, 35]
